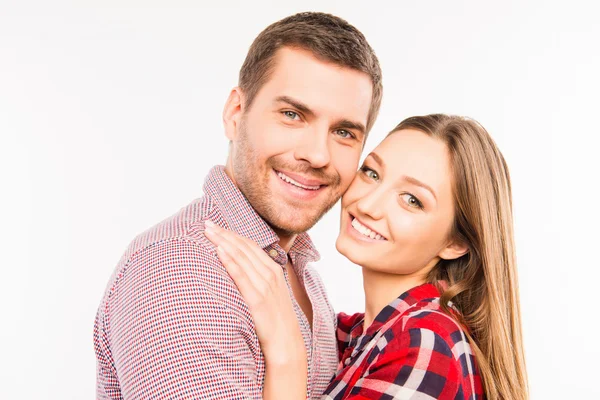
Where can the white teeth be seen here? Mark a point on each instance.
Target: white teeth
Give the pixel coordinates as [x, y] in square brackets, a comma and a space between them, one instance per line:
[365, 231]
[293, 182]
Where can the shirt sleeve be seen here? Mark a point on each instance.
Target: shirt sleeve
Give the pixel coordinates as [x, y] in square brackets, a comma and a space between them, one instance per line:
[171, 329]
[344, 325]
[107, 384]
[417, 364]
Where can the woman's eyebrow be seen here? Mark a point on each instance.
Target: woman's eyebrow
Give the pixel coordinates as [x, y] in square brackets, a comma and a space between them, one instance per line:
[407, 178]
[377, 159]
[417, 182]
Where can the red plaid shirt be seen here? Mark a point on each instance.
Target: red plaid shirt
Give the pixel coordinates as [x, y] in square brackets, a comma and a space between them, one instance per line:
[413, 350]
[172, 323]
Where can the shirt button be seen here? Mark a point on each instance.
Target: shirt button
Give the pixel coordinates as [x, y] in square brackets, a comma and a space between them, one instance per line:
[273, 253]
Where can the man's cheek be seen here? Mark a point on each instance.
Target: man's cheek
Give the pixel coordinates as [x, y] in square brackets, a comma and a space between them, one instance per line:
[347, 176]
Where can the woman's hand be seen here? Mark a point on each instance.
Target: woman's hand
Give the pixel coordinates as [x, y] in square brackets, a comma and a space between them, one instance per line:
[261, 282]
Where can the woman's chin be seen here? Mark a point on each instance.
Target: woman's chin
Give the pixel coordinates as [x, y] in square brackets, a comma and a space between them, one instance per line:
[352, 253]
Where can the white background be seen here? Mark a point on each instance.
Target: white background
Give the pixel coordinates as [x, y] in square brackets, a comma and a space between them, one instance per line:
[110, 117]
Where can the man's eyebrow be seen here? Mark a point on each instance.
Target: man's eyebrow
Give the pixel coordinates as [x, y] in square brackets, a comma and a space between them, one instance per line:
[304, 109]
[298, 105]
[347, 124]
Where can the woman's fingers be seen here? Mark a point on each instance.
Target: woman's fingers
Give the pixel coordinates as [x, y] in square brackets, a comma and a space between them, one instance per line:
[241, 279]
[241, 247]
[260, 254]
[242, 258]
[261, 282]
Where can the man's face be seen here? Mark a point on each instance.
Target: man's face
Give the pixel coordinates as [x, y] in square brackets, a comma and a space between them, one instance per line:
[296, 150]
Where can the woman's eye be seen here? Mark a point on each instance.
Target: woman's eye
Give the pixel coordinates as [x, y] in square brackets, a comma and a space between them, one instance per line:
[370, 173]
[291, 115]
[411, 200]
[344, 133]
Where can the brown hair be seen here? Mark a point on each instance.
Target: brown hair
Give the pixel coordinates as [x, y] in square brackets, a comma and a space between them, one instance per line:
[327, 37]
[482, 284]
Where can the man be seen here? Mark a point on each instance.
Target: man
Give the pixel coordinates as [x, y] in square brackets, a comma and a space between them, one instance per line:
[172, 323]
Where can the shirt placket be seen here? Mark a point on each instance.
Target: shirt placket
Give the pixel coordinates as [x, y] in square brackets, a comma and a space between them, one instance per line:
[303, 321]
[299, 264]
[315, 352]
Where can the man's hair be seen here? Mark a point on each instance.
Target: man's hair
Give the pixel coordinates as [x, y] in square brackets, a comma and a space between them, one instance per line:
[327, 37]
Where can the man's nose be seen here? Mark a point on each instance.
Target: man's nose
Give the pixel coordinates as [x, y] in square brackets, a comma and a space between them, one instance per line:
[314, 148]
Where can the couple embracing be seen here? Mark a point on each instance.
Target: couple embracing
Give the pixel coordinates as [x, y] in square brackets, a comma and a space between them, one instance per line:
[221, 300]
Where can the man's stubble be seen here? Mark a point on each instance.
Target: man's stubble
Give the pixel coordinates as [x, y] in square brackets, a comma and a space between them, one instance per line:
[252, 180]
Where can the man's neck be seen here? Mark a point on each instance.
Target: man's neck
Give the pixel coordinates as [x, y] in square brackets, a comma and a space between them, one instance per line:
[286, 240]
[229, 172]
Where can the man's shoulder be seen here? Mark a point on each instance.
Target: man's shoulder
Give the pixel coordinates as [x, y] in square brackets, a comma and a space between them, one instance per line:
[183, 224]
[173, 269]
[175, 247]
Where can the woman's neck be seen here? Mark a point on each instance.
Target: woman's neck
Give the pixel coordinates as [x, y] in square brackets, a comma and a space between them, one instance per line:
[382, 288]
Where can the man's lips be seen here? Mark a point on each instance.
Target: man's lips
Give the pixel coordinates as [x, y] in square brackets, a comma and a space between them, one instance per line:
[304, 181]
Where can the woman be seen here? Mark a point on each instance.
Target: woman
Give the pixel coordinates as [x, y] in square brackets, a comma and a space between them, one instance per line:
[428, 218]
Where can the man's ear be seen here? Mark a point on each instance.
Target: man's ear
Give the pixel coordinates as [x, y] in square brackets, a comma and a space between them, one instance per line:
[232, 113]
[454, 250]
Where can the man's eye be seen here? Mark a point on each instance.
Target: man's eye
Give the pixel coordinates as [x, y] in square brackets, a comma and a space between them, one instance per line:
[411, 200]
[369, 173]
[291, 115]
[344, 133]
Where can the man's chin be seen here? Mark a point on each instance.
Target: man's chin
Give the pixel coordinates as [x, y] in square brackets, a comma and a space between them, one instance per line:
[288, 216]
[291, 226]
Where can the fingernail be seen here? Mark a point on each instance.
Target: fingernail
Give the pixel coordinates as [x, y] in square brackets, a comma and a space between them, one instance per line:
[209, 223]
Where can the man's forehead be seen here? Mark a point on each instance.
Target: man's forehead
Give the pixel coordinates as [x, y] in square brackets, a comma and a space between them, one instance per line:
[319, 85]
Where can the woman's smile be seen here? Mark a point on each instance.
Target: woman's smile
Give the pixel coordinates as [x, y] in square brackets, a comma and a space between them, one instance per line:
[362, 231]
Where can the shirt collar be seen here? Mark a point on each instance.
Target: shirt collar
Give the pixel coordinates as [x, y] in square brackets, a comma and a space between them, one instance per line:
[242, 219]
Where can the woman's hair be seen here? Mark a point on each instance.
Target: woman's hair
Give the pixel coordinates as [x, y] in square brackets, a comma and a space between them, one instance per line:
[482, 284]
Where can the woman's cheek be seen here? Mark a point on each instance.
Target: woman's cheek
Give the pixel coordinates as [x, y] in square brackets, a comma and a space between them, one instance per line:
[402, 226]
[354, 192]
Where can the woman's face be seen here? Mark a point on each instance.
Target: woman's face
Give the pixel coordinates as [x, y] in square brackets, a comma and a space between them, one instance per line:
[398, 213]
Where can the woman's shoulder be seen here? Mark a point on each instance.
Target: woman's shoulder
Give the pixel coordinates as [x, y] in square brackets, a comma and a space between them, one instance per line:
[429, 315]
[426, 326]
[429, 340]
[427, 319]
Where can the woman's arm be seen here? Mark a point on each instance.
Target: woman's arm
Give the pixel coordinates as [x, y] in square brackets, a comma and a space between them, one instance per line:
[286, 378]
[261, 282]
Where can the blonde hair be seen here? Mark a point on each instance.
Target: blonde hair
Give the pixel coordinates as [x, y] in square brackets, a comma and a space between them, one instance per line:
[483, 283]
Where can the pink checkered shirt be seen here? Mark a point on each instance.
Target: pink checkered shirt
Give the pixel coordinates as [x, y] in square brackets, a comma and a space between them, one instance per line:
[172, 323]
